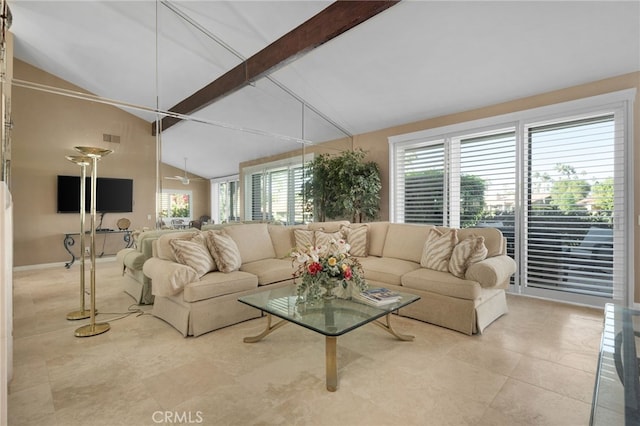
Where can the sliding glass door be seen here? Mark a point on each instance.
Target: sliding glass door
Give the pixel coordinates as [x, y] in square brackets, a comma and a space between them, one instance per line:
[554, 187]
[574, 192]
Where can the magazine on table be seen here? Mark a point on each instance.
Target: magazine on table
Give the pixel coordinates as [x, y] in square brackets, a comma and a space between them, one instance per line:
[378, 296]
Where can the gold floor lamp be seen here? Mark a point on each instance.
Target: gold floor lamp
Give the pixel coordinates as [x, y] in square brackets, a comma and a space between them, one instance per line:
[83, 162]
[92, 328]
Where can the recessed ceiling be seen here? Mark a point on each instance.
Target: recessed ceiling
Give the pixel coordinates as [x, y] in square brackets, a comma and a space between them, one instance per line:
[416, 60]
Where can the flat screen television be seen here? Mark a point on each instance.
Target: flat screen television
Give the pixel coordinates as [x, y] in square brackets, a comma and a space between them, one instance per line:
[113, 195]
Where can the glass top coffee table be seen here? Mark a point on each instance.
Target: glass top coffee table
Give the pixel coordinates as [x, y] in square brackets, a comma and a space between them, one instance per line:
[331, 318]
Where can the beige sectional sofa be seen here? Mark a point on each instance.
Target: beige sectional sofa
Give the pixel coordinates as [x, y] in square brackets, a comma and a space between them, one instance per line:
[136, 284]
[392, 256]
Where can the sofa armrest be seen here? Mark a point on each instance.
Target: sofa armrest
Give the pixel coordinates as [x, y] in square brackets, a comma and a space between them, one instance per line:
[168, 278]
[492, 272]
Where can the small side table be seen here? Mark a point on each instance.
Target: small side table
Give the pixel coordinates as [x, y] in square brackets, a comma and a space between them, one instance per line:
[69, 241]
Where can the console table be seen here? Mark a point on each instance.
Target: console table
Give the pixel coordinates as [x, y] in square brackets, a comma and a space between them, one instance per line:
[69, 241]
[616, 398]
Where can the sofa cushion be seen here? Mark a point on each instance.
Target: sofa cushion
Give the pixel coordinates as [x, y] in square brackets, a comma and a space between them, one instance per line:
[438, 248]
[194, 253]
[386, 269]
[405, 241]
[163, 247]
[270, 271]
[224, 251]
[304, 238]
[131, 258]
[253, 241]
[356, 235]
[282, 239]
[441, 283]
[168, 278]
[216, 284]
[376, 238]
[493, 239]
[467, 252]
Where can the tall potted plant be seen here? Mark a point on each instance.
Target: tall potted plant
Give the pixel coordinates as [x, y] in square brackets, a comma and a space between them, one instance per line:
[343, 186]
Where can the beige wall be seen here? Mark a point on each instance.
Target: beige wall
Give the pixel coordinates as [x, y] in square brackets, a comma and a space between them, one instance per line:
[46, 128]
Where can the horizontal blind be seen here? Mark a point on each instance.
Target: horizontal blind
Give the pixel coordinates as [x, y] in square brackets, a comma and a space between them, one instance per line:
[420, 184]
[571, 203]
[278, 195]
[488, 181]
[257, 196]
[297, 197]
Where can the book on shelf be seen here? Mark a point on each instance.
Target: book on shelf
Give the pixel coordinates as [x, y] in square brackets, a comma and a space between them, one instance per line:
[378, 296]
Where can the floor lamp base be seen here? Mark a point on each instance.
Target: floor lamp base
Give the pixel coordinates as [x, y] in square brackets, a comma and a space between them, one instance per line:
[92, 329]
[78, 315]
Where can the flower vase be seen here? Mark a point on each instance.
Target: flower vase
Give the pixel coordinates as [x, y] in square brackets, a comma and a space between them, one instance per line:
[329, 285]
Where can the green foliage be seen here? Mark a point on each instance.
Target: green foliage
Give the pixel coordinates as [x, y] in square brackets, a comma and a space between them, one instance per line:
[422, 209]
[344, 186]
[472, 190]
[179, 205]
[603, 195]
[568, 191]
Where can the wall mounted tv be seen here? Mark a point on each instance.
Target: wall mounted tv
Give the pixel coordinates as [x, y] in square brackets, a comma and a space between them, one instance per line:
[112, 195]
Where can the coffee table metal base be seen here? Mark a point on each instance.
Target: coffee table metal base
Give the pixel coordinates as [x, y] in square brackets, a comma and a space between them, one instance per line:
[330, 345]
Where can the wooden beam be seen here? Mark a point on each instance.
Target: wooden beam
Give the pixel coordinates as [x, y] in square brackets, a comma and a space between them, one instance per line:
[336, 19]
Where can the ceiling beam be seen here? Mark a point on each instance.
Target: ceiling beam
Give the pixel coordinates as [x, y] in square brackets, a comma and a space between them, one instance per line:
[336, 19]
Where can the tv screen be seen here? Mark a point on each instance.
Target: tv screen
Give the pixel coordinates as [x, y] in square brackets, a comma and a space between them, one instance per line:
[112, 195]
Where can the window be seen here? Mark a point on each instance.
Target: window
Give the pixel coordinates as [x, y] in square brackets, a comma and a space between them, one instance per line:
[456, 181]
[175, 204]
[273, 192]
[551, 179]
[225, 199]
[570, 205]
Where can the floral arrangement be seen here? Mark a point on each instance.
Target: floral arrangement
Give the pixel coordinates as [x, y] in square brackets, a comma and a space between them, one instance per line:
[327, 272]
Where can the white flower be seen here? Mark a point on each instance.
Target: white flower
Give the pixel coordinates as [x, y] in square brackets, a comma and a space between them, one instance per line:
[314, 253]
[300, 257]
[343, 247]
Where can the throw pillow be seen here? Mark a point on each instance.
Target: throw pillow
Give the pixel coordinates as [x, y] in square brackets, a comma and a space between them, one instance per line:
[304, 239]
[224, 251]
[193, 253]
[323, 240]
[437, 249]
[466, 253]
[357, 239]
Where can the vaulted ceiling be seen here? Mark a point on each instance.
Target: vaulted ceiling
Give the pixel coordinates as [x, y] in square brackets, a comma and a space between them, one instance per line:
[411, 61]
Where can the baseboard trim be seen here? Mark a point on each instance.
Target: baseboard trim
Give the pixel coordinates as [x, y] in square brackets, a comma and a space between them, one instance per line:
[103, 259]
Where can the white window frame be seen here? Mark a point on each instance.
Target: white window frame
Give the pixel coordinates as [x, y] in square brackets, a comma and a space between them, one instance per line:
[621, 102]
[167, 220]
[247, 172]
[215, 194]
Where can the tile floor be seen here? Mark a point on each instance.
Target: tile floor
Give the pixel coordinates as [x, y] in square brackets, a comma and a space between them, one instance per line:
[534, 366]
